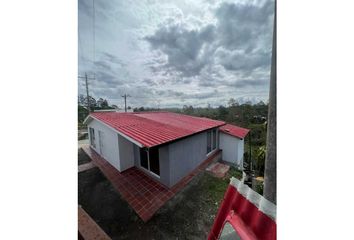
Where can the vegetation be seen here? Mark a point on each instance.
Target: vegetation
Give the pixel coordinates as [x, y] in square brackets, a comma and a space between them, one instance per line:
[216, 187]
[259, 188]
[100, 104]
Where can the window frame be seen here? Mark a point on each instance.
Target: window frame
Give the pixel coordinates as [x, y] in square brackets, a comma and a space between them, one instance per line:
[148, 169]
[209, 143]
[212, 140]
[92, 137]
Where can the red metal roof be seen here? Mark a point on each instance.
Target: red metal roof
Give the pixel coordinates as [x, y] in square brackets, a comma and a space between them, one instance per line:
[234, 130]
[155, 128]
[250, 214]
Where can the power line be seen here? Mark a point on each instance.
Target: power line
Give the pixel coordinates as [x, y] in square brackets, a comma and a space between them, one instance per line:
[94, 34]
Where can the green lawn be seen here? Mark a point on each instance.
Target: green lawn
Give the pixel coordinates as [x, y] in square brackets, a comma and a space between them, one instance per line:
[217, 187]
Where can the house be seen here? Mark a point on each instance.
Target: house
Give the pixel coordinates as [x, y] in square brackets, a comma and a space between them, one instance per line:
[232, 143]
[166, 146]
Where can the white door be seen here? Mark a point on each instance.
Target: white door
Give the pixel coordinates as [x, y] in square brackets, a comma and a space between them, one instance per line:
[100, 138]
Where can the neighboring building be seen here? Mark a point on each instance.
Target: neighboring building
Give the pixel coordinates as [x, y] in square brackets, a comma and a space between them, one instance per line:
[113, 110]
[231, 136]
[123, 110]
[166, 146]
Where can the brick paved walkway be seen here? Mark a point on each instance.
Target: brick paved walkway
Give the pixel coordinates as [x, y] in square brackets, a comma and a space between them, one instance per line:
[86, 166]
[218, 169]
[88, 228]
[143, 194]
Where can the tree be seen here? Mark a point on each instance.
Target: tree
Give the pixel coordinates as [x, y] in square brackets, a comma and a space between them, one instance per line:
[232, 102]
[82, 100]
[82, 113]
[188, 109]
[260, 103]
[104, 104]
[260, 158]
[99, 102]
[92, 102]
[222, 112]
[270, 175]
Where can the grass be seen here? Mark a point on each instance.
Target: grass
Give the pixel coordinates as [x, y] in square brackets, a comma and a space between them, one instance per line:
[217, 187]
[233, 172]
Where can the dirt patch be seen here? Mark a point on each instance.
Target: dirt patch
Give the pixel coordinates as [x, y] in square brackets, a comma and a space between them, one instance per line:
[83, 157]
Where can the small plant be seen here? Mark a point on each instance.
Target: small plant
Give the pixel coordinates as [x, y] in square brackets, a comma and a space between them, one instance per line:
[260, 160]
[259, 188]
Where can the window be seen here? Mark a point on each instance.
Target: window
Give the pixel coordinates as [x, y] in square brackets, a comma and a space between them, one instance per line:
[214, 139]
[154, 160]
[211, 140]
[92, 137]
[149, 159]
[144, 158]
[208, 141]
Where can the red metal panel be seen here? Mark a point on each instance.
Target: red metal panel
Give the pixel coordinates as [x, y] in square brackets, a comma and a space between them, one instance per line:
[235, 130]
[155, 128]
[247, 219]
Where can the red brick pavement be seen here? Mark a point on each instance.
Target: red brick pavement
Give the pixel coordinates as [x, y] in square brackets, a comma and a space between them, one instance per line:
[144, 194]
[88, 228]
[218, 169]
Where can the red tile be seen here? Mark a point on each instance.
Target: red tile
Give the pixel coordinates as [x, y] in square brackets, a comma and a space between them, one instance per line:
[143, 194]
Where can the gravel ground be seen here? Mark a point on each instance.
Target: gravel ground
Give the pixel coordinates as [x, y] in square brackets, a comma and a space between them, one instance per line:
[82, 157]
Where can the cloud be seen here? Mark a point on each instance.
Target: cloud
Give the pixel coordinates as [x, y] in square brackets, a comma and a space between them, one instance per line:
[177, 52]
[240, 41]
[149, 82]
[239, 60]
[183, 47]
[250, 83]
[245, 34]
[245, 26]
[113, 59]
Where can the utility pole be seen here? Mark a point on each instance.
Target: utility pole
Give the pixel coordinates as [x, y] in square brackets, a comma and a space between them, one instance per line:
[125, 101]
[87, 90]
[250, 150]
[270, 171]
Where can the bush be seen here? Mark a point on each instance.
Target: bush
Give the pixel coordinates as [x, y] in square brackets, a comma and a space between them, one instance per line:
[259, 188]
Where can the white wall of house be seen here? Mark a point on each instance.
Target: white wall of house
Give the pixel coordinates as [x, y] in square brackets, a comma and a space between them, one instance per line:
[126, 153]
[241, 150]
[232, 149]
[108, 147]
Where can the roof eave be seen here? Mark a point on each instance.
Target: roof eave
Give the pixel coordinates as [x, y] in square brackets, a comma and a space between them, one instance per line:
[87, 119]
[118, 132]
[228, 133]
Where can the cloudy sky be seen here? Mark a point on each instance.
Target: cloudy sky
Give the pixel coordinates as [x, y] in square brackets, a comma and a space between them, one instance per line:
[176, 53]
